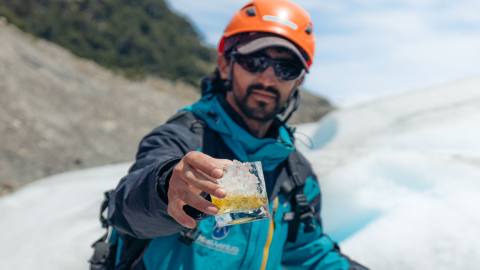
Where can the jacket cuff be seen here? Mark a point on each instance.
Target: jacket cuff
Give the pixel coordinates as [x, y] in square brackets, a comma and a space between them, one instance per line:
[163, 174]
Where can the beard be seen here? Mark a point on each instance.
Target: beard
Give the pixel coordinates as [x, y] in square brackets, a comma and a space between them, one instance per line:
[259, 110]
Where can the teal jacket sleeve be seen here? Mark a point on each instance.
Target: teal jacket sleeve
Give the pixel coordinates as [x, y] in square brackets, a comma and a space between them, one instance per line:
[315, 250]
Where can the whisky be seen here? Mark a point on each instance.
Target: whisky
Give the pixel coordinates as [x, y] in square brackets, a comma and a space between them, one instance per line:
[238, 203]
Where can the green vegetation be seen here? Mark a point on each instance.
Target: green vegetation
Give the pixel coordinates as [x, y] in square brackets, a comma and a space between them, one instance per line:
[136, 37]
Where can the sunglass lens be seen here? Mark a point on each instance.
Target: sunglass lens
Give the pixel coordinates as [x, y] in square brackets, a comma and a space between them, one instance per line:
[252, 64]
[284, 70]
[287, 71]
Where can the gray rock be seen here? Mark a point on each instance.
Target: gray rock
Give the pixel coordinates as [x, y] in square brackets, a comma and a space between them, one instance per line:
[59, 112]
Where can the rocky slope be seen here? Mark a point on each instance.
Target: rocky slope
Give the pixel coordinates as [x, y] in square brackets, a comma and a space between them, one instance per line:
[59, 112]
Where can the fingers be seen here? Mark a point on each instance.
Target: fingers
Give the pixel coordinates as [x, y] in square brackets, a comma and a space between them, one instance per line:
[195, 173]
[201, 182]
[175, 210]
[224, 162]
[200, 203]
[204, 163]
[181, 195]
[176, 193]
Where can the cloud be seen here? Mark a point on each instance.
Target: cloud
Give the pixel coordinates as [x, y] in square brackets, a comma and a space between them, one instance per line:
[381, 49]
[372, 48]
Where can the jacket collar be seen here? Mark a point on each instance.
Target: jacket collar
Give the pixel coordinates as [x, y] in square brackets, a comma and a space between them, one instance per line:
[270, 151]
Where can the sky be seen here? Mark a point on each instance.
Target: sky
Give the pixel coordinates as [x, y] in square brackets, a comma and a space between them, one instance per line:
[375, 48]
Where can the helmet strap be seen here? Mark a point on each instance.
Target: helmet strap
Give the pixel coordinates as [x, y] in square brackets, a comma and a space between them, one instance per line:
[292, 105]
[228, 84]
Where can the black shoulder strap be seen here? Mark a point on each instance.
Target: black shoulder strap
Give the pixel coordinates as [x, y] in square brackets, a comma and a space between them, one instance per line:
[104, 249]
[298, 170]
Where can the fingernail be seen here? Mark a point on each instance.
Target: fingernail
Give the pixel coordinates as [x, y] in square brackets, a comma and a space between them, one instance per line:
[212, 210]
[191, 224]
[217, 173]
[220, 193]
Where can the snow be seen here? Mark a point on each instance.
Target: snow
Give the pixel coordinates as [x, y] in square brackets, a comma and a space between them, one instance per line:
[399, 178]
[51, 223]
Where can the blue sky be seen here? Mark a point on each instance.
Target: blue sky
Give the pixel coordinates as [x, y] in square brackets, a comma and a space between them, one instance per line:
[368, 49]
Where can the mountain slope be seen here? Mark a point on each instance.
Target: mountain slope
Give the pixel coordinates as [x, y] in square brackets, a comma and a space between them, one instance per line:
[59, 112]
[136, 37]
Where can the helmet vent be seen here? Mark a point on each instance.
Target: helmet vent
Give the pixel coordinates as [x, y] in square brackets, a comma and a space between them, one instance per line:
[309, 30]
[251, 12]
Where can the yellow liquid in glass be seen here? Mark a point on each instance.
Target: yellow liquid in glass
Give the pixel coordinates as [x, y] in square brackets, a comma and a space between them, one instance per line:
[238, 203]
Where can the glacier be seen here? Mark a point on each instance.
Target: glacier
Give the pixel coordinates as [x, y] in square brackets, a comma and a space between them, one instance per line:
[399, 177]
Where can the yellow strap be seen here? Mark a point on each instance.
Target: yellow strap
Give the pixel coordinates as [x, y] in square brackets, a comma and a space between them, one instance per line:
[271, 227]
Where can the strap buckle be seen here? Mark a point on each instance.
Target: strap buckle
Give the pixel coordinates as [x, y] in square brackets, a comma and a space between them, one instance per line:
[305, 212]
[188, 236]
[101, 254]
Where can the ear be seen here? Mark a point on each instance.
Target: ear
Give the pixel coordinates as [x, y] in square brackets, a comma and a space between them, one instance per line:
[223, 66]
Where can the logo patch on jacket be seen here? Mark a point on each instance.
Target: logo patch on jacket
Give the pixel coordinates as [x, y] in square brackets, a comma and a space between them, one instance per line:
[220, 233]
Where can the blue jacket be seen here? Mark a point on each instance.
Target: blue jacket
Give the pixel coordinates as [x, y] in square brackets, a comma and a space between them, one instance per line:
[138, 207]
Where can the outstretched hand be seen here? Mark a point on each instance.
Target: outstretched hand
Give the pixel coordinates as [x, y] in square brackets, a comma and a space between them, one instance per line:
[195, 173]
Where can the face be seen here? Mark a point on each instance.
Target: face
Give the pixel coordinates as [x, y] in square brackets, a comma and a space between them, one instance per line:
[260, 96]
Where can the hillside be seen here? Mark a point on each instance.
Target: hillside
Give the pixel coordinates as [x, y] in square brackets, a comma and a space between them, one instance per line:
[59, 112]
[138, 38]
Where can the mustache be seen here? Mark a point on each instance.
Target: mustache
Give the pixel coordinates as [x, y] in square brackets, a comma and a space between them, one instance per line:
[260, 86]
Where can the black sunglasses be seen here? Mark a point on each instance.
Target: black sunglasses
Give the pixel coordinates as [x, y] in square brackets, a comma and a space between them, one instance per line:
[285, 70]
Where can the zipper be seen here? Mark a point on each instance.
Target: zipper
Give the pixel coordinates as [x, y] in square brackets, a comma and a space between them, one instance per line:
[271, 229]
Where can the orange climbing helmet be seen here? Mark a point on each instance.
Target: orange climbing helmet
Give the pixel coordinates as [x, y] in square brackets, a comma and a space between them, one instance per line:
[277, 21]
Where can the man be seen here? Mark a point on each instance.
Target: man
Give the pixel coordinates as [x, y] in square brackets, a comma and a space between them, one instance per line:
[263, 56]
